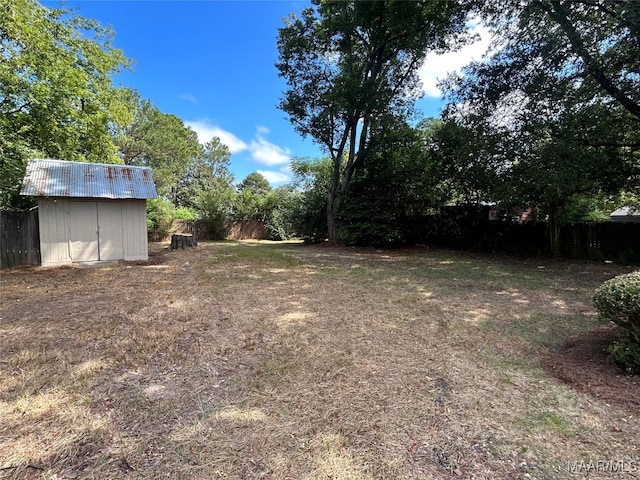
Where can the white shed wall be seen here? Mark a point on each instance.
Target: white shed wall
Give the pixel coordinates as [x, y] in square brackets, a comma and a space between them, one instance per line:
[120, 230]
[110, 228]
[134, 219]
[53, 219]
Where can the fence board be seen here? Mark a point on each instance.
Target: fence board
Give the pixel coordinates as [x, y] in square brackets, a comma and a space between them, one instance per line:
[614, 241]
[618, 242]
[19, 239]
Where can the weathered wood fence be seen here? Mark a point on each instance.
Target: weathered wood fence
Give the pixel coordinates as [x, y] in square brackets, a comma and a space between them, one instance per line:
[614, 241]
[203, 230]
[618, 242]
[19, 239]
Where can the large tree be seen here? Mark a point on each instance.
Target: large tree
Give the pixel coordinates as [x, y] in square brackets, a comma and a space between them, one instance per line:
[255, 183]
[57, 98]
[349, 64]
[398, 186]
[555, 109]
[158, 140]
[207, 171]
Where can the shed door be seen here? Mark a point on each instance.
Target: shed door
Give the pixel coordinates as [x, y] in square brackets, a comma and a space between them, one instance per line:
[110, 230]
[83, 223]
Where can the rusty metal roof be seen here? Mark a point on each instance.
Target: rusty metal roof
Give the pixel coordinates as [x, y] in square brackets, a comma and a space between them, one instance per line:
[59, 178]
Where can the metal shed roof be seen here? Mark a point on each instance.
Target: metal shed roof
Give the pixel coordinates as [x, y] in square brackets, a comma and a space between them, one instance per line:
[60, 178]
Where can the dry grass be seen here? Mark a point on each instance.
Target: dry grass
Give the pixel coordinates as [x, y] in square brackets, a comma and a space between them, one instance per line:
[257, 360]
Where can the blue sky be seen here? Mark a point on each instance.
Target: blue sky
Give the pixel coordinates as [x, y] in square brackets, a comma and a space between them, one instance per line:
[212, 63]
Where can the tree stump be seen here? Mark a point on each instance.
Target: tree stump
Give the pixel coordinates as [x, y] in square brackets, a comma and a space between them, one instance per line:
[183, 240]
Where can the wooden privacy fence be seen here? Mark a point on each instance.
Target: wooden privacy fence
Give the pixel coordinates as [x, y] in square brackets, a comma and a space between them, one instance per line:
[204, 230]
[19, 239]
[618, 242]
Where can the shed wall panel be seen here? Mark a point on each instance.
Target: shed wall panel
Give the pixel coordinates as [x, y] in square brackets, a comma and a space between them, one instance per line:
[53, 220]
[110, 227]
[134, 214]
[83, 220]
[81, 230]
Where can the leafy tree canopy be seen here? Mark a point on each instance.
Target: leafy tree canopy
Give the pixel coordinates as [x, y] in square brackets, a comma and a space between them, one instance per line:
[207, 171]
[255, 183]
[57, 99]
[158, 140]
[554, 111]
[348, 64]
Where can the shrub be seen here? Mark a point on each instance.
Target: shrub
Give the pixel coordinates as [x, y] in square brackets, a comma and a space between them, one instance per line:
[215, 207]
[618, 301]
[160, 214]
[626, 353]
[185, 213]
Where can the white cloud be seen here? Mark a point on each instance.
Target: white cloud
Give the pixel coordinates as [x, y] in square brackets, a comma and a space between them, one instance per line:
[436, 67]
[274, 177]
[267, 153]
[206, 131]
[187, 97]
[261, 150]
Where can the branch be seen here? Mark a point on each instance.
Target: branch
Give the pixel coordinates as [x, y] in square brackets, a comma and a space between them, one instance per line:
[615, 14]
[19, 109]
[349, 167]
[588, 143]
[130, 158]
[403, 78]
[559, 14]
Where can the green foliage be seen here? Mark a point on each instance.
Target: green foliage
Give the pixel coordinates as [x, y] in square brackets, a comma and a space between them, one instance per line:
[255, 183]
[216, 207]
[589, 208]
[618, 301]
[160, 216]
[552, 114]
[400, 184]
[186, 213]
[161, 141]
[13, 165]
[468, 166]
[256, 200]
[282, 220]
[368, 220]
[626, 353]
[311, 180]
[206, 171]
[351, 64]
[57, 98]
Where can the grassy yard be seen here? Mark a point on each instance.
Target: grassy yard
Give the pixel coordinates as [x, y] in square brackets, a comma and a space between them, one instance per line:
[239, 360]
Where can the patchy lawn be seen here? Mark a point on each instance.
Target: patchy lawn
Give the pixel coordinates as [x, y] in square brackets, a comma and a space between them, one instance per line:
[257, 360]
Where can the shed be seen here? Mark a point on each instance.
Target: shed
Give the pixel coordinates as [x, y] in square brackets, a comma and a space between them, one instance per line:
[626, 214]
[90, 212]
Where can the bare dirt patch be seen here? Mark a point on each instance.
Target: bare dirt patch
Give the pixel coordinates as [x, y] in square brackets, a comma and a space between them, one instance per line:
[262, 360]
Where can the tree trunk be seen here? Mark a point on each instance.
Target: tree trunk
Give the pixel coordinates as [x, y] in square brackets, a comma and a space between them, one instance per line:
[332, 213]
[554, 229]
[333, 203]
[182, 240]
